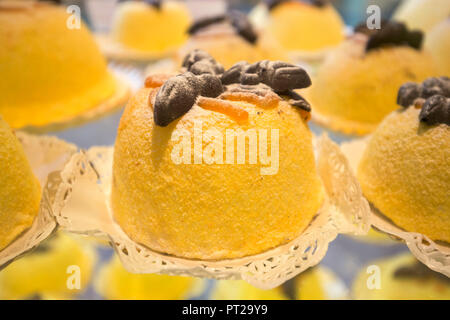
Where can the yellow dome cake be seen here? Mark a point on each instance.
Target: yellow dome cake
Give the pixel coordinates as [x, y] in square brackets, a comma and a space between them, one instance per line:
[422, 14]
[400, 278]
[51, 271]
[231, 38]
[305, 25]
[217, 197]
[20, 192]
[405, 169]
[51, 69]
[151, 26]
[437, 42]
[312, 284]
[116, 283]
[354, 88]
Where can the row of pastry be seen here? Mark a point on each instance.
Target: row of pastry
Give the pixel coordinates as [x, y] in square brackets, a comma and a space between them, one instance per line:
[402, 277]
[215, 211]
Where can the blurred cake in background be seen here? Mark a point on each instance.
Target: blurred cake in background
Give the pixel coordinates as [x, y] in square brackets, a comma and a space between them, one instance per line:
[114, 282]
[53, 270]
[51, 67]
[437, 42]
[422, 14]
[156, 26]
[20, 192]
[317, 283]
[405, 169]
[304, 26]
[400, 278]
[230, 38]
[356, 87]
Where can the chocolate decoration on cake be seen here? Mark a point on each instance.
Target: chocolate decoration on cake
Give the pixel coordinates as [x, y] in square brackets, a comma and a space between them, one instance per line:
[199, 62]
[238, 20]
[433, 95]
[178, 94]
[419, 271]
[271, 4]
[297, 100]
[392, 33]
[205, 77]
[154, 3]
[278, 75]
[436, 110]
[408, 93]
[205, 22]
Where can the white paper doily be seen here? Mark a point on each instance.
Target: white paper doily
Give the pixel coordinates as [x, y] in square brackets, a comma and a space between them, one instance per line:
[84, 197]
[45, 155]
[433, 254]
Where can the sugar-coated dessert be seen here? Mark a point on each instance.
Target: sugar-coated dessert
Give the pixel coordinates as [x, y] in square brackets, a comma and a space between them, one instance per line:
[230, 38]
[116, 283]
[20, 192]
[400, 278]
[356, 86]
[437, 42]
[210, 199]
[313, 284]
[151, 26]
[45, 273]
[405, 169]
[304, 25]
[51, 69]
[422, 14]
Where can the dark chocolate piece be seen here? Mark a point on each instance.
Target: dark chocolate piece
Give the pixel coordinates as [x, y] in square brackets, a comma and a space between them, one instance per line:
[205, 77]
[392, 33]
[272, 4]
[199, 62]
[154, 3]
[243, 26]
[175, 98]
[411, 91]
[210, 85]
[419, 271]
[278, 75]
[435, 95]
[408, 93]
[178, 94]
[297, 100]
[434, 86]
[238, 20]
[205, 22]
[233, 75]
[436, 110]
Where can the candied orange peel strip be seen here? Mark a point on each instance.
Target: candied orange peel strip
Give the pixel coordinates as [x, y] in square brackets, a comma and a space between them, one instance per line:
[305, 114]
[156, 80]
[152, 96]
[222, 106]
[270, 100]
